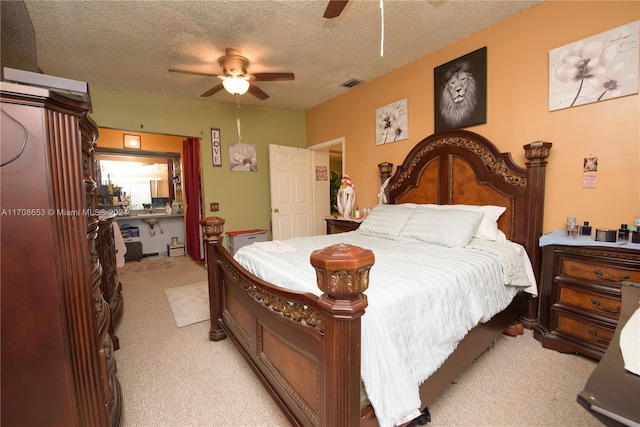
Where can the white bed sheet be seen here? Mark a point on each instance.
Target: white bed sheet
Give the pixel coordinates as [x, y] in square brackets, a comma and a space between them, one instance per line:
[422, 301]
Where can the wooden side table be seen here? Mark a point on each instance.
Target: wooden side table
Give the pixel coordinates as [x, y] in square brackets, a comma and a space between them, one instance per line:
[579, 292]
[342, 225]
[611, 393]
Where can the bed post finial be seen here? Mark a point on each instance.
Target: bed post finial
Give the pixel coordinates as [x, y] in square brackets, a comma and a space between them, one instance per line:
[212, 229]
[342, 272]
[537, 151]
[536, 154]
[385, 169]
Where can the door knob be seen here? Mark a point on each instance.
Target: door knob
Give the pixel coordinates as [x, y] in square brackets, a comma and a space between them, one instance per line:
[275, 210]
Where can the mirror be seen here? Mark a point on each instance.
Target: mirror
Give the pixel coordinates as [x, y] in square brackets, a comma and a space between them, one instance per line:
[138, 182]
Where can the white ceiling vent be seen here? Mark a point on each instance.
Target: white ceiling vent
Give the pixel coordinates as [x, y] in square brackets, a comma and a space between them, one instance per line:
[351, 83]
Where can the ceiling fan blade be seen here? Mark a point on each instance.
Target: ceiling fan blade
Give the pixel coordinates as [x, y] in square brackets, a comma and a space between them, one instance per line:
[174, 70]
[273, 77]
[216, 88]
[257, 92]
[334, 8]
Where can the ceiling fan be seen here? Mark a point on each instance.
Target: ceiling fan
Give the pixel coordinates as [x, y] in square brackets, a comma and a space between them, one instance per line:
[235, 78]
[334, 8]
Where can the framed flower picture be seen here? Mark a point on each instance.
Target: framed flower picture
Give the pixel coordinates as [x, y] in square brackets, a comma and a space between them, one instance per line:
[391, 122]
[594, 69]
[242, 157]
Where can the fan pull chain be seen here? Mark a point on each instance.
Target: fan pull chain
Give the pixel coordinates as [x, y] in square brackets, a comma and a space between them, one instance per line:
[382, 28]
[238, 116]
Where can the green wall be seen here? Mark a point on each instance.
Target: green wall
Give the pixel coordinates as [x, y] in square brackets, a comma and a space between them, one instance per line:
[243, 196]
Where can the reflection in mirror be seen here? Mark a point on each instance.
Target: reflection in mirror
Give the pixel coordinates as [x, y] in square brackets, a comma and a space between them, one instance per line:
[137, 183]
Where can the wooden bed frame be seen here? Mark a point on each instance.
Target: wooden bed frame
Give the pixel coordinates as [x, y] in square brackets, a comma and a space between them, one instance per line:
[306, 349]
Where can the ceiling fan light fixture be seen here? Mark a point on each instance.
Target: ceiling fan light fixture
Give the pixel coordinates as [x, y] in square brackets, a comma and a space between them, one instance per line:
[236, 85]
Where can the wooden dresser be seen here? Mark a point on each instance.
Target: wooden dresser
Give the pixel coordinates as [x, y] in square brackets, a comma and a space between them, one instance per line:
[579, 293]
[58, 364]
[342, 225]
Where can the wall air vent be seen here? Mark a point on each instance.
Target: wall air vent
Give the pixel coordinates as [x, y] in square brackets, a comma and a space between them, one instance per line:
[351, 83]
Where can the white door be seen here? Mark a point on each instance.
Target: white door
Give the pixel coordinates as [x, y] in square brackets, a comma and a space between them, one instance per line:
[291, 179]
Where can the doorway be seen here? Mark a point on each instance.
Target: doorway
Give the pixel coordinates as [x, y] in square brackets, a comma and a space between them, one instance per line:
[328, 158]
[153, 191]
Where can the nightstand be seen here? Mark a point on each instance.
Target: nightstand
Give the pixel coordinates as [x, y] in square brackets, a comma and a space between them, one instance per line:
[579, 292]
[342, 225]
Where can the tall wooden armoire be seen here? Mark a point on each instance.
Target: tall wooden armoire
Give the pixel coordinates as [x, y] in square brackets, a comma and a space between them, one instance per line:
[58, 362]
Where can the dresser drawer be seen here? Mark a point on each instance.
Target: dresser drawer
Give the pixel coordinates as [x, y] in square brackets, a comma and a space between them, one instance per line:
[583, 329]
[588, 300]
[594, 270]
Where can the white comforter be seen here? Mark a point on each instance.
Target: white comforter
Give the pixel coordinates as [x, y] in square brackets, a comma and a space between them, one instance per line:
[423, 299]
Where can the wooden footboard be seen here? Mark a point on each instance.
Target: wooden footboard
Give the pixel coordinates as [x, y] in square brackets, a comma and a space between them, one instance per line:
[304, 348]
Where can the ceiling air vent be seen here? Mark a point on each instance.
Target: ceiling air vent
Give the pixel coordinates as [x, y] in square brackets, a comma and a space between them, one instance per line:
[351, 83]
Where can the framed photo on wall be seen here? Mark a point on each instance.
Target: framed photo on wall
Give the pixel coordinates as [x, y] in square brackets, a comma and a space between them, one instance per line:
[321, 173]
[392, 123]
[594, 69]
[242, 157]
[460, 91]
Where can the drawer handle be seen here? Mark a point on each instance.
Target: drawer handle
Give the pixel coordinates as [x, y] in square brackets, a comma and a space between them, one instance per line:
[595, 336]
[612, 279]
[599, 307]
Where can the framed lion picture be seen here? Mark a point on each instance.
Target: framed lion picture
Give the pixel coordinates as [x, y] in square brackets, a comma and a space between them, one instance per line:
[460, 91]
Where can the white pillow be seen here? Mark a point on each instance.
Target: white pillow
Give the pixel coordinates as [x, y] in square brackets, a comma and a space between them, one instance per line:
[451, 227]
[386, 219]
[488, 228]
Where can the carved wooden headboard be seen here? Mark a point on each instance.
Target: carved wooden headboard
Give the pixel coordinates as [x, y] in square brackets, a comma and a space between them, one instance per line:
[462, 167]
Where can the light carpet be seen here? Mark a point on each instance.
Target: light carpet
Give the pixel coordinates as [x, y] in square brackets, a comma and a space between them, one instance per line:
[147, 264]
[177, 377]
[189, 303]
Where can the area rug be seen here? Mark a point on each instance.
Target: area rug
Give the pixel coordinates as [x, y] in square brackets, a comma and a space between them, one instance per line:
[189, 303]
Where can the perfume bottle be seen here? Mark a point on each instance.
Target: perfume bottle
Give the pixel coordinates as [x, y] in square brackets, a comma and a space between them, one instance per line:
[572, 227]
[623, 232]
[585, 230]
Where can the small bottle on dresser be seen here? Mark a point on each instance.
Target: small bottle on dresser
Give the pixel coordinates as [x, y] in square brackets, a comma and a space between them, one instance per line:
[623, 232]
[585, 230]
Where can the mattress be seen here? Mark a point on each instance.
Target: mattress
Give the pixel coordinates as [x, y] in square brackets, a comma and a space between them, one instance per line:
[423, 299]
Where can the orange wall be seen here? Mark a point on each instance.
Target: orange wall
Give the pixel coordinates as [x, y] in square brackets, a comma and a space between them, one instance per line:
[517, 113]
[113, 138]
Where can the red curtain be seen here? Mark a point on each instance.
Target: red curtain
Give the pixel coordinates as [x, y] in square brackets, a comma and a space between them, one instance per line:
[191, 187]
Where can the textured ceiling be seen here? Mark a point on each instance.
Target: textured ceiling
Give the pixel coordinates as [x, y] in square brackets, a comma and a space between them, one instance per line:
[129, 45]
